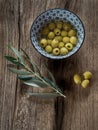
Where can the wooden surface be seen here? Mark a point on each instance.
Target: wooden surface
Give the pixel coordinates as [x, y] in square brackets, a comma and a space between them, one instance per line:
[79, 111]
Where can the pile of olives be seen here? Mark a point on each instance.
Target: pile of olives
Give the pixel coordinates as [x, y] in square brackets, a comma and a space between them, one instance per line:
[58, 38]
[87, 75]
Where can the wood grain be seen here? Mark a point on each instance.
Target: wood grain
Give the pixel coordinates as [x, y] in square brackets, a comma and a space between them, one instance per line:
[8, 34]
[80, 109]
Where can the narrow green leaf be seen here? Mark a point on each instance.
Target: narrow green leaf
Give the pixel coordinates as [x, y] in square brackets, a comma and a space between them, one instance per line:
[25, 77]
[25, 53]
[13, 60]
[34, 82]
[17, 53]
[50, 82]
[20, 72]
[53, 85]
[44, 95]
[34, 66]
[50, 74]
[10, 58]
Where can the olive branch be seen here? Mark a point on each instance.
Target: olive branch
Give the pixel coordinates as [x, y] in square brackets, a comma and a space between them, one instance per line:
[30, 74]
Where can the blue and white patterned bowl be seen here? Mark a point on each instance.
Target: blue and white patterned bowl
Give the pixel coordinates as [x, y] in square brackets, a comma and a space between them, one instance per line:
[56, 14]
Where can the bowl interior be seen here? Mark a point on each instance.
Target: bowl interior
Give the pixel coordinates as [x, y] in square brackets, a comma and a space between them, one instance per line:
[56, 15]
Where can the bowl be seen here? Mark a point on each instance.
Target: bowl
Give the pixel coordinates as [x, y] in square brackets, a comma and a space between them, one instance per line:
[52, 15]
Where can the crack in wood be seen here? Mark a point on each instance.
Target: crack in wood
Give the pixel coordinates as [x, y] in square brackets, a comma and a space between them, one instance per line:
[19, 24]
[59, 102]
[67, 4]
[19, 33]
[59, 113]
[70, 3]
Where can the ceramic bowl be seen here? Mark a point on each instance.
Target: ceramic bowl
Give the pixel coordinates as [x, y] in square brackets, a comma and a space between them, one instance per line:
[52, 15]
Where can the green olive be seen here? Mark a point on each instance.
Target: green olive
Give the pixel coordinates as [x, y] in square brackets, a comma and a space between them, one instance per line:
[51, 26]
[59, 38]
[43, 42]
[45, 31]
[67, 26]
[63, 51]
[48, 49]
[59, 25]
[57, 31]
[56, 51]
[73, 40]
[72, 32]
[54, 43]
[87, 75]
[61, 44]
[66, 39]
[64, 33]
[51, 35]
[69, 46]
[77, 79]
[49, 41]
[85, 83]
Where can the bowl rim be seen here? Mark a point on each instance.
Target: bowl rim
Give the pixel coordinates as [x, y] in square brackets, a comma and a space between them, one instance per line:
[60, 58]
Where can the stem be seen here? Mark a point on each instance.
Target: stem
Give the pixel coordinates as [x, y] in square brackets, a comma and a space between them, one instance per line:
[50, 86]
[44, 81]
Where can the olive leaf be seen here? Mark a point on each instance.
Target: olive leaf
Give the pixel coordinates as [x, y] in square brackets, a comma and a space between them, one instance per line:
[52, 84]
[34, 82]
[13, 60]
[50, 74]
[34, 66]
[20, 72]
[17, 53]
[44, 95]
[25, 77]
[27, 56]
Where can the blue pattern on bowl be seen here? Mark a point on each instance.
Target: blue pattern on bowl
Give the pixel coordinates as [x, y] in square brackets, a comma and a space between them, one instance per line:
[51, 15]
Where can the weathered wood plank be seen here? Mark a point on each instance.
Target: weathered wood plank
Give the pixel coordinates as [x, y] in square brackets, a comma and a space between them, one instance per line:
[32, 113]
[8, 83]
[80, 109]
